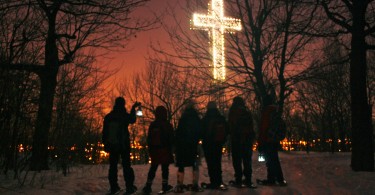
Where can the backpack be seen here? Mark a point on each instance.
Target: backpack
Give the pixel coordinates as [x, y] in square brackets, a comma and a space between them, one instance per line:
[114, 132]
[277, 129]
[244, 126]
[155, 135]
[217, 130]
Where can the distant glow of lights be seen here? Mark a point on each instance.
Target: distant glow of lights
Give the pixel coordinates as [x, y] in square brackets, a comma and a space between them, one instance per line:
[217, 24]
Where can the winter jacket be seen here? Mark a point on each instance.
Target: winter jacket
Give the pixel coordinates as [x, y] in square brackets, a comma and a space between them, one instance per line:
[188, 134]
[215, 129]
[160, 138]
[241, 126]
[115, 133]
[265, 124]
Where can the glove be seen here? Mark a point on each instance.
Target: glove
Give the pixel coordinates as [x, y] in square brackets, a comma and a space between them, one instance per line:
[136, 104]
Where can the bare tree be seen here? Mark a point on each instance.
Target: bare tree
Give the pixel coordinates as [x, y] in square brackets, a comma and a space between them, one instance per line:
[78, 98]
[161, 83]
[54, 32]
[354, 20]
[270, 51]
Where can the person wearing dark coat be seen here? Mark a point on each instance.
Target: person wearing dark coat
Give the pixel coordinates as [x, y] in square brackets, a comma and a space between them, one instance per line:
[242, 137]
[268, 145]
[116, 142]
[188, 134]
[160, 143]
[215, 131]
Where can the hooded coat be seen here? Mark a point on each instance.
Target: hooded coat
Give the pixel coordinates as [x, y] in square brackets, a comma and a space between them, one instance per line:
[188, 134]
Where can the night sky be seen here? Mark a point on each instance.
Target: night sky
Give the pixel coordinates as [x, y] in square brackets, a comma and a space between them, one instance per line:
[134, 60]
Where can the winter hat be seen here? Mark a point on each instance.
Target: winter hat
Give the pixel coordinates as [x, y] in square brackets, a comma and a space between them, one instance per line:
[238, 101]
[211, 105]
[161, 113]
[119, 102]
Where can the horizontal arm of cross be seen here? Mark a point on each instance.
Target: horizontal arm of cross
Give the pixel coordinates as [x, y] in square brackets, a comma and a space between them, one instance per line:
[209, 21]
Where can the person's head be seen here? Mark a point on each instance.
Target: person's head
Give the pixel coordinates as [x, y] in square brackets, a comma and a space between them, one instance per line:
[211, 105]
[190, 104]
[238, 102]
[161, 113]
[119, 103]
[268, 100]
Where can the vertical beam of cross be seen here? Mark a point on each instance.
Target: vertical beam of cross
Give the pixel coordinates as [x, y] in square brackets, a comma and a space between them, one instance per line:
[217, 24]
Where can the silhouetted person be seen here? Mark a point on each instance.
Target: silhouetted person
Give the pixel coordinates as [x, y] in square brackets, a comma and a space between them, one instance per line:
[268, 144]
[117, 142]
[242, 138]
[160, 142]
[215, 130]
[188, 134]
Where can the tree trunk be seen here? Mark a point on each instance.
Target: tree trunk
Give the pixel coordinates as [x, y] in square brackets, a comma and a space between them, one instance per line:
[48, 82]
[39, 160]
[362, 133]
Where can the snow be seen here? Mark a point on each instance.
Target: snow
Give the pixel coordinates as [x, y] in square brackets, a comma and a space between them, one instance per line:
[314, 173]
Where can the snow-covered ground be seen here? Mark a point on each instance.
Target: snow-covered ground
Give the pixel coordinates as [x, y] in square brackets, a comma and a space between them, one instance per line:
[314, 173]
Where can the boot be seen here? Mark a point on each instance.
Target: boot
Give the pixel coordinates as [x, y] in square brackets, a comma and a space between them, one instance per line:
[180, 178]
[196, 187]
[147, 188]
[166, 188]
[180, 183]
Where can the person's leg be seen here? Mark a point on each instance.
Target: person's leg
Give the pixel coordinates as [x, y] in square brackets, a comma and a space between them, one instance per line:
[112, 173]
[196, 187]
[128, 171]
[269, 155]
[180, 175]
[210, 163]
[151, 173]
[247, 164]
[150, 178]
[180, 180]
[165, 174]
[216, 166]
[236, 161]
[195, 169]
[277, 167]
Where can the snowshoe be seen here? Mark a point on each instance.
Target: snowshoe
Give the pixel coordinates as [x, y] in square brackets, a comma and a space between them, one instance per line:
[169, 188]
[236, 184]
[205, 185]
[146, 190]
[265, 182]
[249, 184]
[196, 188]
[114, 191]
[282, 183]
[179, 189]
[131, 190]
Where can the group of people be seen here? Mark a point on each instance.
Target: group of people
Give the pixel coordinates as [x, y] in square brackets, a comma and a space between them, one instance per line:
[180, 146]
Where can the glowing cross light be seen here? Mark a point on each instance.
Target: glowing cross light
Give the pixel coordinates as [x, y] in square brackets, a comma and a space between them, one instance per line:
[217, 24]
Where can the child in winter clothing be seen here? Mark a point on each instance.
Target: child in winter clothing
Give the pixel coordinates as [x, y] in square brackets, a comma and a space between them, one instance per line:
[160, 141]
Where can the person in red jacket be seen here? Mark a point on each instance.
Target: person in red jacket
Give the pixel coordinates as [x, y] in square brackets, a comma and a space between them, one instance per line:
[160, 142]
[268, 144]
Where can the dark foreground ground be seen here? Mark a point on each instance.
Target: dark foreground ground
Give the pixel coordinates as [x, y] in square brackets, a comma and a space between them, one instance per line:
[314, 173]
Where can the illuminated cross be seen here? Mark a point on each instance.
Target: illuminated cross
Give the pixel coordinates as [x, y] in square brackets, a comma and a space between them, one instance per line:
[217, 25]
